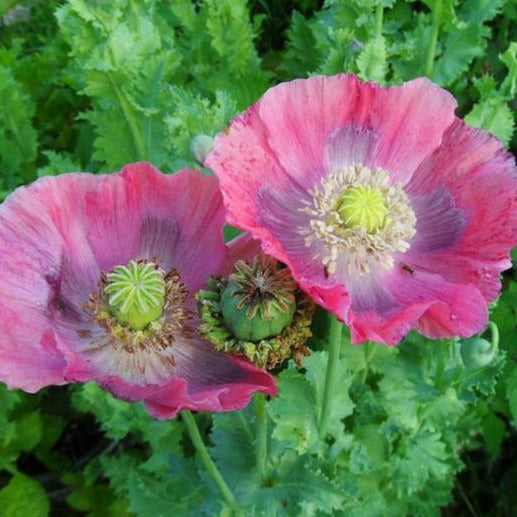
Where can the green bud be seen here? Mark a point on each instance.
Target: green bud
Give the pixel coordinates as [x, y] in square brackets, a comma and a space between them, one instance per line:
[477, 352]
[200, 146]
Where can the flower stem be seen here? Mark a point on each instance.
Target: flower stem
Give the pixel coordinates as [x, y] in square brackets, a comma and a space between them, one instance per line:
[208, 462]
[369, 351]
[336, 329]
[435, 29]
[379, 14]
[495, 335]
[261, 440]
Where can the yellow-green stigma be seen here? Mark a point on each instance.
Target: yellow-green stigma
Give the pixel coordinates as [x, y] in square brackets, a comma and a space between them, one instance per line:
[363, 206]
[136, 293]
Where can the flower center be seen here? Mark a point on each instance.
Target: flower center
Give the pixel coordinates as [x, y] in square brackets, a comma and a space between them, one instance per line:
[357, 220]
[136, 293]
[363, 206]
[142, 314]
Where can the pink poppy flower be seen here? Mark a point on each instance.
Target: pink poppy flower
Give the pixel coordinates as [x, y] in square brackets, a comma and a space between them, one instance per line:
[75, 251]
[388, 209]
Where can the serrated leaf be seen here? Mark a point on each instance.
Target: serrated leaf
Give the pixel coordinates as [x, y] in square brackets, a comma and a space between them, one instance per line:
[182, 492]
[460, 48]
[509, 58]
[58, 163]
[494, 115]
[371, 63]
[18, 139]
[511, 392]
[295, 410]
[423, 456]
[296, 487]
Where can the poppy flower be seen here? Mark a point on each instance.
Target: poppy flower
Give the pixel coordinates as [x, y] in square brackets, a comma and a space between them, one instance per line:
[97, 275]
[388, 209]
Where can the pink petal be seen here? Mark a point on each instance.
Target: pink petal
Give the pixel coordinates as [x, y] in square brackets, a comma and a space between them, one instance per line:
[410, 121]
[480, 176]
[461, 183]
[244, 246]
[227, 384]
[182, 220]
[305, 126]
[29, 358]
[56, 237]
[420, 299]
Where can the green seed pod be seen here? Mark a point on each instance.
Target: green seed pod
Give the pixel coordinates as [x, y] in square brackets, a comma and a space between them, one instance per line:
[264, 323]
[259, 299]
[258, 312]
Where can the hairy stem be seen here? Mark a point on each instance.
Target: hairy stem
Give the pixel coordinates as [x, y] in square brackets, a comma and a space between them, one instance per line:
[369, 351]
[208, 462]
[379, 14]
[495, 334]
[261, 436]
[336, 328]
[431, 51]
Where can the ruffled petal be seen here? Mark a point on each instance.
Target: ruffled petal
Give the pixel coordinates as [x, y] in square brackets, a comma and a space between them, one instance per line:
[305, 127]
[29, 357]
[30, 255]
[410, 121]
[58, 235]
[475, 172]
[403, 299]
[217, 383]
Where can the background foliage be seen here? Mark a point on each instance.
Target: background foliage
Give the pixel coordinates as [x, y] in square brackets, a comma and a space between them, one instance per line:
[419, 429]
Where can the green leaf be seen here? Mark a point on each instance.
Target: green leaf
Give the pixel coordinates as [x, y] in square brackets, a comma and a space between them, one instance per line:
[58, 163]
[511, 391]
[182, 492]
[18, 139]
[494, 115]
[494, 431]
[302, 54]
[460, 48]
[22, 497]
[421, 457]
[372, 63]
[295, 410]
[117, 418]
[292, 484]
[509, 58]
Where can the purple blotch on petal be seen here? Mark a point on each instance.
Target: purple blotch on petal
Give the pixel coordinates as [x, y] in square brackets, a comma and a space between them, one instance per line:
[440, 223]
[349, 145]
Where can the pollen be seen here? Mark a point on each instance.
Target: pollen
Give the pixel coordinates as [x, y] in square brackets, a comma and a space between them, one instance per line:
[358, 220]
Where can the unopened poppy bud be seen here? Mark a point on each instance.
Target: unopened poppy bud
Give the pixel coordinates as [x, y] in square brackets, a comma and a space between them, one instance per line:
[478, 352]
[200, 146]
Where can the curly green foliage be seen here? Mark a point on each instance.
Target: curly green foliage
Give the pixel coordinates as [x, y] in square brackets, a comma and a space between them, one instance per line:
[18, 138]
[157, 76]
